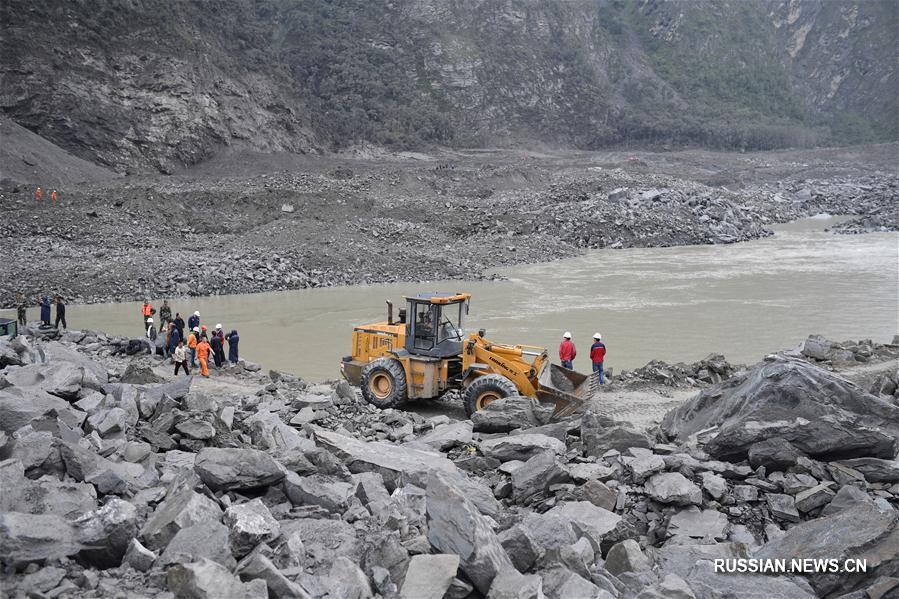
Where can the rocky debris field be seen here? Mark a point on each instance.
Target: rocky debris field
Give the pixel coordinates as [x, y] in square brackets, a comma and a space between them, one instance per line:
[328, 222]
[118, 480]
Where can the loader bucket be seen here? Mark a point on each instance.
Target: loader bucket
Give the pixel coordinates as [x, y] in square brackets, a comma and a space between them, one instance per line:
[567, 389]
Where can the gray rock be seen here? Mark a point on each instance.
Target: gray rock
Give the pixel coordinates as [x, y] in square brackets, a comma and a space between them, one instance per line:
[203, 579]
[347, 580]
[875, 470]
[105, 533]
[679, 559]
[184, 508]
[323, 539]
[673, 488]
[28, 538]
[671, 586]
[816, 347]
[714, 485]
[196, 429]
[847, 497]
[626, 556]
[700, 524]
[561, 583]
[456, 527]
[775, 453]
[815, 497]
[599, 494]
[514, 585]
[521, 547]
[587, 520]
[138, 557]
[862, 531]
[506, 414]
[444, 437]
[229, 469]
[644, 466]
[22, 406]
[549, 531]
[745, 493]
[42, 581]
[706, 583]
[429, 576]
[782, 507]
[257, 565]
[537, 475]
[324, 491]
[520, 447]
[205, 539]
[250, 523]
[399, 465]
[600, 434]
[820, 413]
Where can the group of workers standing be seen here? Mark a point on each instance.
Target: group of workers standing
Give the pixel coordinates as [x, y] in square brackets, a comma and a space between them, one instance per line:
[196, 347]
[567, 353]
[45, 305]
[39, 195]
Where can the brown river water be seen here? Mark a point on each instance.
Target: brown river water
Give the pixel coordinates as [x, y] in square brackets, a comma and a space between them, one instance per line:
[673, 304]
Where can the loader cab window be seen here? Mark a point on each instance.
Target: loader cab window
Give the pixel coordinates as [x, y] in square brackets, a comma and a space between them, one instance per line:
[423, 326]
[450, 328]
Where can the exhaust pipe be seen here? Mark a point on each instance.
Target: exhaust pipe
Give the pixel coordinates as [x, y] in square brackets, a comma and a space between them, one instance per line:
[389, 312]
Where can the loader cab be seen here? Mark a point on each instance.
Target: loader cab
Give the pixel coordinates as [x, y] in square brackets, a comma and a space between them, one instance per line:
[434, 324]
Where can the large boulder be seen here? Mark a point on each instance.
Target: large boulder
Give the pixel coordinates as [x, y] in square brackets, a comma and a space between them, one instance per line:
[820, 413]
[506, 414]
[429, 576]
[22, 406]
[204, 579]
[860, 532]
[250, 523]
[182, 509]
[28, 538]
[673, 488]
[105, 533]
[456, 527]
[225, 469]
[600, 433]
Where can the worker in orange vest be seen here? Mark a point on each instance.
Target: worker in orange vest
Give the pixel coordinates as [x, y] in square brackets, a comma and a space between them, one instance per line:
[38, 193]
[203, 349]
[146, 311]
[53, 196]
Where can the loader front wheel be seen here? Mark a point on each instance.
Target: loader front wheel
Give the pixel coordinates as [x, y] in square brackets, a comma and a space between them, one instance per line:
[485, 390]
[383, 383]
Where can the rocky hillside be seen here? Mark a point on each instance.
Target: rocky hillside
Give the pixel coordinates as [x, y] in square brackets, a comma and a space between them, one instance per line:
[156, 85]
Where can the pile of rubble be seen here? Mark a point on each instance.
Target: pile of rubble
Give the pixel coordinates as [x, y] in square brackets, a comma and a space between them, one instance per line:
[711, 370]
[260, 485]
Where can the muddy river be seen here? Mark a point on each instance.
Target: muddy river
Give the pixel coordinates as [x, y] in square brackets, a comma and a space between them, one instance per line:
[673, 304]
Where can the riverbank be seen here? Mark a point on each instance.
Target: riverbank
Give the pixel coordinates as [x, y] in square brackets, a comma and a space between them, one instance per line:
[119, 478]
[243, 227]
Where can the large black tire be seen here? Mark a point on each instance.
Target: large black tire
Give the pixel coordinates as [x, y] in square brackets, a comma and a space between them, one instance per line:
[383, 383]
[486, 389]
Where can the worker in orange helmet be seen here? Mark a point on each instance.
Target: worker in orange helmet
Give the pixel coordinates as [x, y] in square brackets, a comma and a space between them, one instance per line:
[38, 193]
[203, 349]
[53, 196]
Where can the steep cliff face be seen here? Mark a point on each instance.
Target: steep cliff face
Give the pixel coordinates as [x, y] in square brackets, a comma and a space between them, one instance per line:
[155, 85]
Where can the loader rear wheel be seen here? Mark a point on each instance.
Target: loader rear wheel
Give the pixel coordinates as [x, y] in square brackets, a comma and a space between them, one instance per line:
[383, 383]
[485, 390]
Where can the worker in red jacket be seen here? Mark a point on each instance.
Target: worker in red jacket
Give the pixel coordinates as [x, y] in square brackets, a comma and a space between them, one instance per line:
[598, 356]
[567, 351]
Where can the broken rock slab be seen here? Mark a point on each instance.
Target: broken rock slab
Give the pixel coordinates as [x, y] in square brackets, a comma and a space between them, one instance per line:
[520, 447]
[204, 579]
[456, 527]
[233, 469]
[700, 524]
[182, 509]
[26, 538]
[599, 434]
[538, 474]
[429, 576]
[249, 524]
[673, 488]
[587, 520]
[626, 556]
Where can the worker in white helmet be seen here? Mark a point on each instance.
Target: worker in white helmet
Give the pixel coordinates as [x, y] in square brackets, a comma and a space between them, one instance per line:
[567, 351]
[598, 356]
[151, 334]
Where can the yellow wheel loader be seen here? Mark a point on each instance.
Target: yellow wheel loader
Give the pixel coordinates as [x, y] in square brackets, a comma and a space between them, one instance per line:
[424, 353]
